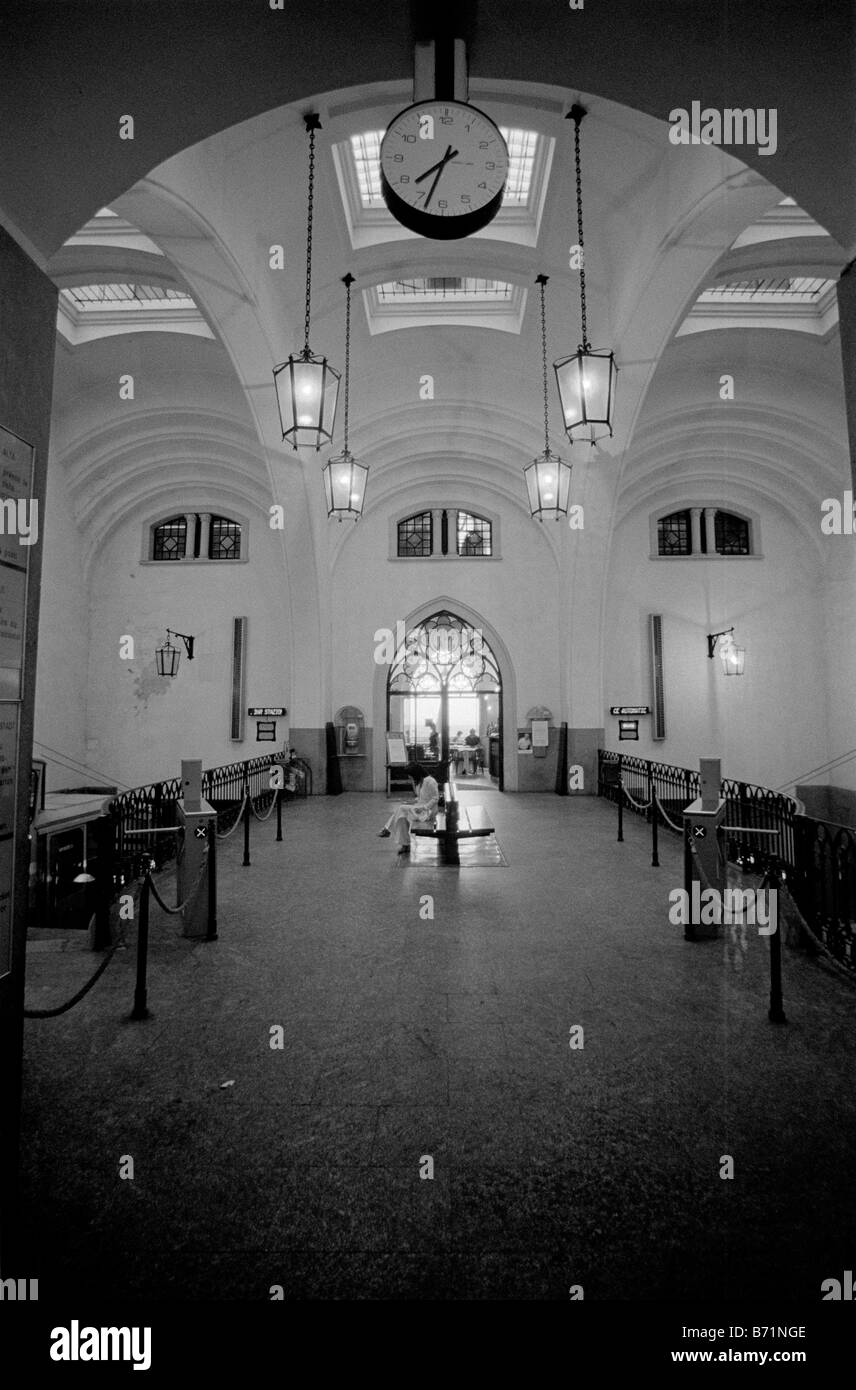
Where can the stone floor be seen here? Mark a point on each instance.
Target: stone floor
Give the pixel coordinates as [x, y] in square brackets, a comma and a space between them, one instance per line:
[408, 1037]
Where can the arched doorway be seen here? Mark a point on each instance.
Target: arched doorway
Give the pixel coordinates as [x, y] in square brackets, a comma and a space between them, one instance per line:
[443, 687]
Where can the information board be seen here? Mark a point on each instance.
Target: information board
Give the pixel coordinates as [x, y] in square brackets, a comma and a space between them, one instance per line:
[19, 531]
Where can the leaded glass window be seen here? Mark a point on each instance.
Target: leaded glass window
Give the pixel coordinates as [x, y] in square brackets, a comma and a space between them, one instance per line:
[415, 535]
[170, 539]
[732, 534]
[225, 539]
[673, 534]
[474, 534]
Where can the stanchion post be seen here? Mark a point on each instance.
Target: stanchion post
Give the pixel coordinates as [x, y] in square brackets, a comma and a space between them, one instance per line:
[212, 880]
[620, 804]
[655, 846]
[278, 814]
[776, 1012]
[140, 1011]
[104, 880]
[246, 861]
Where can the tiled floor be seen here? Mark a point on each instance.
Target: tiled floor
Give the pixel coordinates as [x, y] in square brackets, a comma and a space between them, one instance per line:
[408, 1036]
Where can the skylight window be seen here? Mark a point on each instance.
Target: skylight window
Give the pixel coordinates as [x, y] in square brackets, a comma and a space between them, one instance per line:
[522, 149]
[89, 299]
[436, 289]
[790, 289]
[366, 152]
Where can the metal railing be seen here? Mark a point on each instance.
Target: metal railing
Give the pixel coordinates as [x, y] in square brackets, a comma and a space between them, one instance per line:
[824, 885]
[765, 828]
[747, 806]
[153, 807]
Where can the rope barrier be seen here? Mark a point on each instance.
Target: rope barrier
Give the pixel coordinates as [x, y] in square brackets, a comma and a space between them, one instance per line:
[270, 809]
[666, 817]
[191, 895]
[640, 805]
[234, 827]
[76, 998]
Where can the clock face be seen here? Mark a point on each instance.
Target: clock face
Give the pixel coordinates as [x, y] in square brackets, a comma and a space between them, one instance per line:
[443, 168]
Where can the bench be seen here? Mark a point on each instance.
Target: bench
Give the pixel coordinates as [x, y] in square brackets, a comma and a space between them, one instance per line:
[454, 824]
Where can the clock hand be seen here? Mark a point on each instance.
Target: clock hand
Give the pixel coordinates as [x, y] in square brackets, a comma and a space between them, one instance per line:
[450, 154]
[443, 164]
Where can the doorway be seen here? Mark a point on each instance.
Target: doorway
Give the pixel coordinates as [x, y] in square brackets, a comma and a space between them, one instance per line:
[444, 694]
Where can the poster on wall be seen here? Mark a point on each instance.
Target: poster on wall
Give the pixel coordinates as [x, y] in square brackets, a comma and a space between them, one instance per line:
[19, 531]
[8, 762]
[7, 868]
[540, 733]
[19, 517]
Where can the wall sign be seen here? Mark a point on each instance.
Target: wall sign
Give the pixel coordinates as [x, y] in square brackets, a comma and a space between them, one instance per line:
[265, 731]
[629, 709]
[267, 711]
[18, 533]
[628, 729]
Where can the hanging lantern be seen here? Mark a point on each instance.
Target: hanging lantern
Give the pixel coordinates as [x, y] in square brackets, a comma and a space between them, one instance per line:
[167, 657]
[306, 385]
[344, 478]
[732, 658]
[548, 477]
[586, 379]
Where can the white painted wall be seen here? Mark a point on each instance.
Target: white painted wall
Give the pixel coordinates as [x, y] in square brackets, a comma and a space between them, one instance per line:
[60, 723]
[768, 725]
[140, 725]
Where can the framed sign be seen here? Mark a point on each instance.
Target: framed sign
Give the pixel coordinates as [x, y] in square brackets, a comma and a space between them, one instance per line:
[396, 750]
[19, 531]
[265, 731]
[628, 729]
[540, 733]
[37, 787]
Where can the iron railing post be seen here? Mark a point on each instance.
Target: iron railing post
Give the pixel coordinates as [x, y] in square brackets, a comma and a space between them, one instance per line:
[140, 1010]
[212, 880]
[655, 849]
[246, 861]
[278, 814]
[620, 804]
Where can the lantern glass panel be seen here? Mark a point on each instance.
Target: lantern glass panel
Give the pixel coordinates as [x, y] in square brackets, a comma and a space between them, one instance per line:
[307, 391]
[586, 385]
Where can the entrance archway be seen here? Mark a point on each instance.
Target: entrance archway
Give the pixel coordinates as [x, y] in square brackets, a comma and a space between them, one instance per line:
[444, 694]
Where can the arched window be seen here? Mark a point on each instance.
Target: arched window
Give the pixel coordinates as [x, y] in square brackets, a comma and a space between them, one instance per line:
[474, 534]
[170, 539]
[224, 541]
[731, 534]
[673, 534]
[415, 535]
[704, 530]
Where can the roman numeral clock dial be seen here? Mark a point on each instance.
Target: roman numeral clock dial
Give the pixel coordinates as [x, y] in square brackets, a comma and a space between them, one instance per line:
[443, 166]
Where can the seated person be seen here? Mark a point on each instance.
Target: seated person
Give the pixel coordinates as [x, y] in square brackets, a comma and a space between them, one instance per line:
[422, 811]
[472, 739]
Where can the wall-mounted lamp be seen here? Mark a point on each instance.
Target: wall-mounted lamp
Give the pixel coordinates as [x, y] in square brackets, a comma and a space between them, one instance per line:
[731, 656]
[167, 657]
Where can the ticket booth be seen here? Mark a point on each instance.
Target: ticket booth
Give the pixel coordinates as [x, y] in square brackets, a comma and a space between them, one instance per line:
[71, 852]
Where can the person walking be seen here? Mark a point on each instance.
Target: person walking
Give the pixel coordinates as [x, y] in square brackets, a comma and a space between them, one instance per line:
[421, 812]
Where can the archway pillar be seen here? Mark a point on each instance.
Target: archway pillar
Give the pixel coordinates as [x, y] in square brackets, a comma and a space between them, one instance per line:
[847, 327]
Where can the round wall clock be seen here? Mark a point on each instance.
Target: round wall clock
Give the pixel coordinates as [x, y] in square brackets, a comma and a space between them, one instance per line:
[443, 166]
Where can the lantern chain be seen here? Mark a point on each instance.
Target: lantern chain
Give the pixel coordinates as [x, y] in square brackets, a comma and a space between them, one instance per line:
[542, 280]
[348, 280]
[578, 113]
[311, 126]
